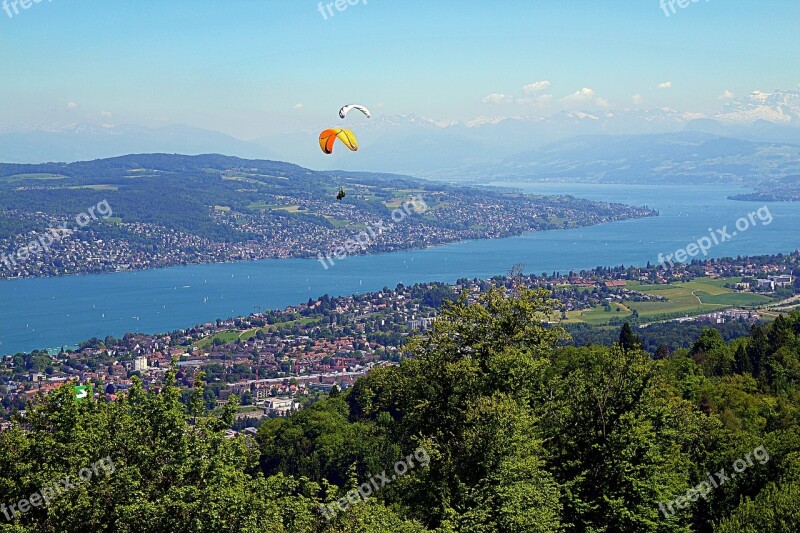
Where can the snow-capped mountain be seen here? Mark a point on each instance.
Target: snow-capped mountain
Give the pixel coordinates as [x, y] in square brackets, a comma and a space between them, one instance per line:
[780, 107]
[413, 144]
[681, 157]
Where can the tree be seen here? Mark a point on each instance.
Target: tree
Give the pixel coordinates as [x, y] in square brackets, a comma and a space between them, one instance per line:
[774, 509]
[712, 354]
[247, 398]
[467, 391]
[521, 433]
[742, 362]
[164, 474]
[612, 430]
[662, 352]
[627, 340]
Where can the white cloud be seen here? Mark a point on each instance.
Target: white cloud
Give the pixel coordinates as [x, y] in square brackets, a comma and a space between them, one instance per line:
[496, 98]
[536, 87]
[585, 95]
[72, 105]
[540, 100]
[298, 106]
[637, 99]
[105, 114]
[665, 85]
[726, 95]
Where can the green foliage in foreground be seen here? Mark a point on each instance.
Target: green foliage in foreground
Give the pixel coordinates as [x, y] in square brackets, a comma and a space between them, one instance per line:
[521, 435]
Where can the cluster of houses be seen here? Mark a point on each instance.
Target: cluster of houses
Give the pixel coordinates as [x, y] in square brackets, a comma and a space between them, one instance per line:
[729, 315]
[767, 285]
[338, 343]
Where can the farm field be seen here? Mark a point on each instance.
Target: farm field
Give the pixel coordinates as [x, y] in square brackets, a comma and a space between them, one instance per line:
[39, 176]
[700, 296]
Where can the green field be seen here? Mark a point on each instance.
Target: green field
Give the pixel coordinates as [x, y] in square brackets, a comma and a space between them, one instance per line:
[700, 296]
[401, 196]
[290, 209]
[98, 187]
[20, 177]
[230, 335]
[271, 177]
[242, 179]
[341, 223]
[598, 315]
[260, 206]
[263, 206]
[735, 299]
[225, 336]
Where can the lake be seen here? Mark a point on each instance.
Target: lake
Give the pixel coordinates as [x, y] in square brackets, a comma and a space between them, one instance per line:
[53, 312]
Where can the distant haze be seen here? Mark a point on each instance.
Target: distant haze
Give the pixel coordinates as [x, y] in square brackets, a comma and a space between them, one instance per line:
[506, 147]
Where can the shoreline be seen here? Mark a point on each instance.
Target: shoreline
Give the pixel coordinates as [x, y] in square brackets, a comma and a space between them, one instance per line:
[300, 303]
[655, 213]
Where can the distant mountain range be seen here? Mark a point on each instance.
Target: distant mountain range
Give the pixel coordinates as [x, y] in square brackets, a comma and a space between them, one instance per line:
[411, 144]
[682, 157]
[69, 142]
[752, 140]
[782, 107]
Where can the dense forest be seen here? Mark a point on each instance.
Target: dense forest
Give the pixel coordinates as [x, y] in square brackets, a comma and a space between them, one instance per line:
[491, 423]
[659, 338]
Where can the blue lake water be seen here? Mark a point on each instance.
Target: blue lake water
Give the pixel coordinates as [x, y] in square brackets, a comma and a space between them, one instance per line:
[52, 312]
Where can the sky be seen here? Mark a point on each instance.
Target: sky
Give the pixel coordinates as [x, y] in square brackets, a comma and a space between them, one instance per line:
[252, 68]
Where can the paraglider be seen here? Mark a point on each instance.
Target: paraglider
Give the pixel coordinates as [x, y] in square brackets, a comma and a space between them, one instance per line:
[329, 136]
[346, 109]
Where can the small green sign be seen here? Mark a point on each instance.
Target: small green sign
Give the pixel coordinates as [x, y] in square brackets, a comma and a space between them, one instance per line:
[82, 391]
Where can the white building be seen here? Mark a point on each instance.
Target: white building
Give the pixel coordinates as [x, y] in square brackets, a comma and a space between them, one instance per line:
[140, 363]
[281, 406]
[421, 324]
[782, 281]
[766, 284]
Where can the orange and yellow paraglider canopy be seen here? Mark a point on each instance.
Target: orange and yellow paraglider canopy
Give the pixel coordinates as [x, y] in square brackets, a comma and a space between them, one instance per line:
[329, 136]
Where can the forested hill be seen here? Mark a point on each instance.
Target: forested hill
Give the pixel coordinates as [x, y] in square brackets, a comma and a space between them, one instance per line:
[194, 168]
[174, 209]
[141, 186]
[487, 426]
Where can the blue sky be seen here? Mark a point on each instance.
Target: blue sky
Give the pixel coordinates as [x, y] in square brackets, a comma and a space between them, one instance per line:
[254, 67]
